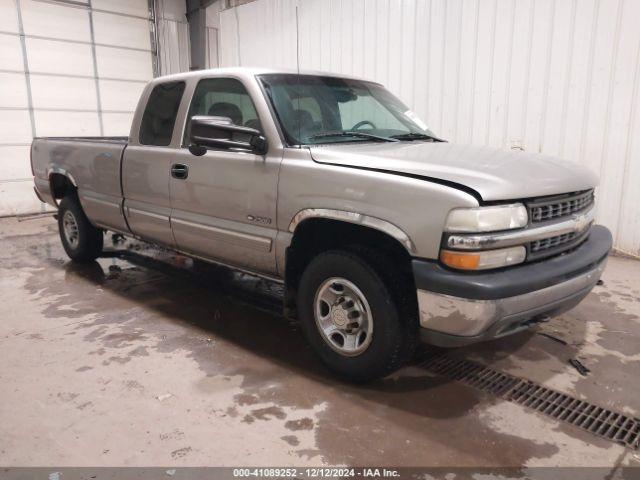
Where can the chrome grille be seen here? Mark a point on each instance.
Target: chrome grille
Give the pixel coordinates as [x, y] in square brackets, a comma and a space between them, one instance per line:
[551, 242]
[558, 207]
[550, 246]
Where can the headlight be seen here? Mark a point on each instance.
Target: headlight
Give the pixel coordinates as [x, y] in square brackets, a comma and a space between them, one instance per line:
[483, 260]
[487, 219]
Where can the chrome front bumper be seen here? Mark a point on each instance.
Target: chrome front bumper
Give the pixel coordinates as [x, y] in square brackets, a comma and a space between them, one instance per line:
[477, 320]
[458, 309]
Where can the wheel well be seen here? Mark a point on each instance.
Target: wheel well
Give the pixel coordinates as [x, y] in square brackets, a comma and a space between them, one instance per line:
[317, 235]
[61, 185]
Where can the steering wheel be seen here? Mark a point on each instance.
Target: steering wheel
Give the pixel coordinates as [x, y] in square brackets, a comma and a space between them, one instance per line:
[362, 124]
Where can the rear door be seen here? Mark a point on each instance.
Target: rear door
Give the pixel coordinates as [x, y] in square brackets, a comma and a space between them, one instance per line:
[147, 164]
[224, 206]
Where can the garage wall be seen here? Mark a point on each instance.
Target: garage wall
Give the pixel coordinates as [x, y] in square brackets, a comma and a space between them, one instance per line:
[212, 21]
[173, 36]
[74, 67]
[554, 76]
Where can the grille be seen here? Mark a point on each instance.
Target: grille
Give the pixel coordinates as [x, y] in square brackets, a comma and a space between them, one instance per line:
[548, 247]
[542, 211]
[599, 421]
[552, 242]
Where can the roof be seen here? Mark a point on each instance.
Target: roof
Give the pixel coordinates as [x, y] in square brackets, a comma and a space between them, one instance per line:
[245, 72]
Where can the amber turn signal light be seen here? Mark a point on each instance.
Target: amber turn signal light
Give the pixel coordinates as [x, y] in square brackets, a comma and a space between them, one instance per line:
[460, 260]
[484, 259]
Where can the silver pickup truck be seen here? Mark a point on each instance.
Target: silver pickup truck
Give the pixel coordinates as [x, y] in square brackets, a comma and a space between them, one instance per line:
[382, 233]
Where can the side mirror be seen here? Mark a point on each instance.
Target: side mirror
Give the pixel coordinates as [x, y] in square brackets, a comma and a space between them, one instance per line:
[220, 132]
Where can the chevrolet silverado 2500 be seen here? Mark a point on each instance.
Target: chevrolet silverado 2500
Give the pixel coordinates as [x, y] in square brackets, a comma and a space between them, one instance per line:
[382, 233]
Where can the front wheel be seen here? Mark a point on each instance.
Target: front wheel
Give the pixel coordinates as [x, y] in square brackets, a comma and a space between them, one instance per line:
[351, 317]
[82, 241]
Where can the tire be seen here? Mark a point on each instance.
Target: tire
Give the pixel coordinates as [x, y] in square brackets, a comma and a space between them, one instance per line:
[82, 241]
[390, 335]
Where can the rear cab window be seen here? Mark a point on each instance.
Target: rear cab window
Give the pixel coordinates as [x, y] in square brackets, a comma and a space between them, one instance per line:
[159, 116]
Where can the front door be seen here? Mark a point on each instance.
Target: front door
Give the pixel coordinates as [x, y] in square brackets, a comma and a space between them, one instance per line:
[224, 202]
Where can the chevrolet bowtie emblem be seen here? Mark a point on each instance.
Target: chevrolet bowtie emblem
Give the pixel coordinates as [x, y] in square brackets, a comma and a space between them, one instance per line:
[581, 222]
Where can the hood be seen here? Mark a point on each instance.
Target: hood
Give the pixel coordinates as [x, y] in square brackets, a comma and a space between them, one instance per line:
[494, 174]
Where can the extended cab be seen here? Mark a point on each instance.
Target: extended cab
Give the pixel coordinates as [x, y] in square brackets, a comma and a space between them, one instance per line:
[382, 232]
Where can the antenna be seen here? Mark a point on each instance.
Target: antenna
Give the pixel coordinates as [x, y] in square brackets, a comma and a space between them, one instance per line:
[298, 70]
[297, 42]
[235, 13]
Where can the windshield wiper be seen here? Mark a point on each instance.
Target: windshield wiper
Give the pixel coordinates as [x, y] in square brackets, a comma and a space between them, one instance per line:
[416, 136]
[352, 133]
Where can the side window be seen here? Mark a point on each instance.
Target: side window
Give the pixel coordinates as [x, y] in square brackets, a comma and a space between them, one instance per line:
[223, 97]
[159, 115]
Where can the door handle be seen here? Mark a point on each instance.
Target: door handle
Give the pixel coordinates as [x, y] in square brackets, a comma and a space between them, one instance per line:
[179, 171]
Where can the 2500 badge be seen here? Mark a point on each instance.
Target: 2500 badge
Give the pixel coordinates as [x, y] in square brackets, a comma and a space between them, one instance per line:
[258, 219]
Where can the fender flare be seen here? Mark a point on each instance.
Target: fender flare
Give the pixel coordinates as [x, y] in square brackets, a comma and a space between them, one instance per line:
[355, 218]
[61, 171]
[58, 171]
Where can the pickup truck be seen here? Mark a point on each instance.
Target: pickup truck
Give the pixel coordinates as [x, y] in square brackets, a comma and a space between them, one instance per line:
[382, 233]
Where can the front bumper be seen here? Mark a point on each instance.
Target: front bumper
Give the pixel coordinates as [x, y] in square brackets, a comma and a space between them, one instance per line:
[459, 308]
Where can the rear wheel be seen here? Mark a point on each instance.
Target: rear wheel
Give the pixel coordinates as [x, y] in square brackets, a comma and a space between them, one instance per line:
[350, 315]
[82, 241]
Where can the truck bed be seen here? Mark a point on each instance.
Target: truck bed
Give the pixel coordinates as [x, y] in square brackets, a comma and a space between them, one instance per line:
[120, 140]
[92, 165]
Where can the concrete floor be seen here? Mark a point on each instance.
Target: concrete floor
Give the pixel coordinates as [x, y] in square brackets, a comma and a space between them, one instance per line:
[142, 359]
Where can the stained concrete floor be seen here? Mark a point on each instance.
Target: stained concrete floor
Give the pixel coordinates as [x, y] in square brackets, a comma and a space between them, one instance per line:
[142, 358]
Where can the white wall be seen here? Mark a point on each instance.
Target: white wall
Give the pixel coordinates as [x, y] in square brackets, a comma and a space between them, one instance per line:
[213, 32]
[554, 76]
[75, 68]
[173, 36]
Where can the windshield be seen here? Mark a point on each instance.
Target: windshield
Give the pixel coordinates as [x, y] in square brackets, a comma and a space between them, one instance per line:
[315, 109]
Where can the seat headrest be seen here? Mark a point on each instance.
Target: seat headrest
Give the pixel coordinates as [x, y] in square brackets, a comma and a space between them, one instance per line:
[303, 118]
[225, 109]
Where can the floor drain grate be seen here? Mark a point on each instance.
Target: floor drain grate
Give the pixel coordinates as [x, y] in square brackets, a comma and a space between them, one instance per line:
[472, 374]
[600, 421]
